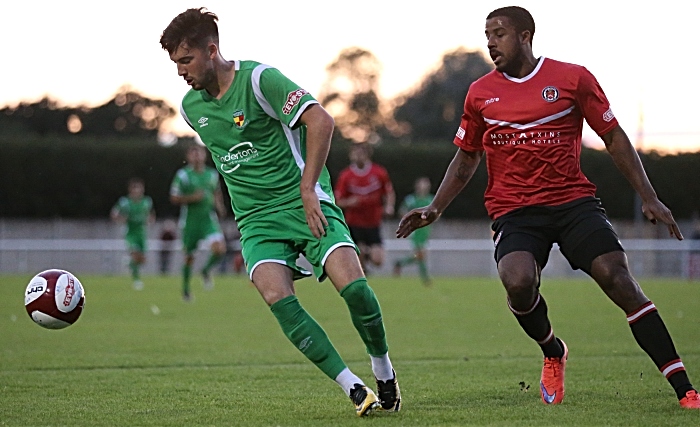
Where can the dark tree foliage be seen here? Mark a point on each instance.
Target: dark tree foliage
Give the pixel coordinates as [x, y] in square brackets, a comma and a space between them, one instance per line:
[350, 94]
[82, 177]
[433, 110]
[127, 114]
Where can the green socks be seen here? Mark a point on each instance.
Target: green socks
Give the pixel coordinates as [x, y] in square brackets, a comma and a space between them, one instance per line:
[213, 260]
[307, 335]
[186, 274]
[134, 267]
[366, 315]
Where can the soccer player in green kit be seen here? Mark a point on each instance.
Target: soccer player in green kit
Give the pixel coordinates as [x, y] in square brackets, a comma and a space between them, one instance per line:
[196, 188]
[419, 198]
[136, 211]
[269, 139]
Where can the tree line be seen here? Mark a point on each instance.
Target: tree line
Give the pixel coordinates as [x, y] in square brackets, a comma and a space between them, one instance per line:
[75, 162]
[47, 177]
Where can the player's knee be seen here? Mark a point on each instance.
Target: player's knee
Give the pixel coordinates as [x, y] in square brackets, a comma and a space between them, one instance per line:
[519, 283]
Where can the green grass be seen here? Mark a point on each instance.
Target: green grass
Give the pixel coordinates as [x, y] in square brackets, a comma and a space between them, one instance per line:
[222, 360]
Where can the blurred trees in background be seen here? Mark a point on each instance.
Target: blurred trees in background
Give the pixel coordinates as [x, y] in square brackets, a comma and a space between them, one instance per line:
[127, 114]
[75, 162]
[433, 110]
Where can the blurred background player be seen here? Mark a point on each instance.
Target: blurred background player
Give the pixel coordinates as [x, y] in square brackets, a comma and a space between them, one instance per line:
[136, 211]
[420, 197]
[196, 189]
[365, 193]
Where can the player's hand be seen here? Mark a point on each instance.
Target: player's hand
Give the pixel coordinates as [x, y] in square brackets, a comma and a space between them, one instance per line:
[655, 211]
[314, 216]
[416, 219]
[197, 196]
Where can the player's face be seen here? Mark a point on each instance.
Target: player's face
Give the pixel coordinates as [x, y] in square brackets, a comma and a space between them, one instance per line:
[195, 65]
[196, 157]
[422, 186]
[504, 43]
[359, 156]
[136, 190]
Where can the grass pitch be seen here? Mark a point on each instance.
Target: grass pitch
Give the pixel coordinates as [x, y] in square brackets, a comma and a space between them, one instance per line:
[145, 358]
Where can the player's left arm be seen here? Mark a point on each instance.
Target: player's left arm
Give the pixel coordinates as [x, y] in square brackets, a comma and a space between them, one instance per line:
[116, 213]
[627, 161]
[319, 129]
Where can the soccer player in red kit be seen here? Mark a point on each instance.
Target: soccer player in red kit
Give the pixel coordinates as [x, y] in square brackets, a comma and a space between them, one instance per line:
[365, 193]
[527, 117]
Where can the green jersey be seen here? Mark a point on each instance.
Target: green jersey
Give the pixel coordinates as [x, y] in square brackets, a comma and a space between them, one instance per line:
[188, 181]
[136, 213]
[413, 201]
[255, 138]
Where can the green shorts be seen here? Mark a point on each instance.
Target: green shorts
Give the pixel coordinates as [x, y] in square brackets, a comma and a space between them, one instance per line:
[419, 238]
[136, 242]
[280, 237]
[192, 234]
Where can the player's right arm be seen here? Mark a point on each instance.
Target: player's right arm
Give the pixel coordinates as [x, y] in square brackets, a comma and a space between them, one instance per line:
[116, 213]
[458, 174]
[469, 140]
[177, 193]
[342, 197]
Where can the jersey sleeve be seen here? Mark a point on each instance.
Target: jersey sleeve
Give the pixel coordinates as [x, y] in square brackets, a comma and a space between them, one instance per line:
[119, 208]
[285, 97]
[471, 129]
[594, 104]
[176, 186]
[340, 186]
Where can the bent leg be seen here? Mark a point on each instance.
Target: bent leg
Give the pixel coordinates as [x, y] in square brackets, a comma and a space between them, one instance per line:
[344, 270]
[520, 276]
[612, 274]
[275, 284]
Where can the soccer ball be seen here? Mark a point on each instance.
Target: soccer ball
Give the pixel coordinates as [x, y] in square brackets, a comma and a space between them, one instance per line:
[54, 299]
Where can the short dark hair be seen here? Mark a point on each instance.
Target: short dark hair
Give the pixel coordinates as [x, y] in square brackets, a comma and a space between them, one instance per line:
[135, 180]
[519, 16]
[195, 27]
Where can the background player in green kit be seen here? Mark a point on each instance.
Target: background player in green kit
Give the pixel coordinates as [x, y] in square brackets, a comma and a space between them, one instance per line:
[136, 211]
[269, 139]
[196, 188]
[420, 197]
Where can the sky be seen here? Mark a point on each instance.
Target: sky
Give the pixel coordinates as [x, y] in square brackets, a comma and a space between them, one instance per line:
[81, 53]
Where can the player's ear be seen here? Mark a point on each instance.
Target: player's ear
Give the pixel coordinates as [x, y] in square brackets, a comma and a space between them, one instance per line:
[212, 50]
[526, 37]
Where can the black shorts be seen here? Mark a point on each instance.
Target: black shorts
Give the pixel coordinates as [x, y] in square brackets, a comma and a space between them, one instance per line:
[366, 236]
[580, 228]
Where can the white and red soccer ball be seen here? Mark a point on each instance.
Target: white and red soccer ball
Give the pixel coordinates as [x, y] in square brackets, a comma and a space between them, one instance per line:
[54, 299]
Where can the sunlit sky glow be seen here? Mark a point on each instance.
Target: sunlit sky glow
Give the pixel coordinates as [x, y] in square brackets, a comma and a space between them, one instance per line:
[82, 52]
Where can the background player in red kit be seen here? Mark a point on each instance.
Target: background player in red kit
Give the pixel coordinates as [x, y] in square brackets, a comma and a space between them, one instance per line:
[527, 117]
[365, 193]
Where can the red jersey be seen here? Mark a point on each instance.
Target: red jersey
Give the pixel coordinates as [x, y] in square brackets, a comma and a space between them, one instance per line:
[530, 129]
[370, 185]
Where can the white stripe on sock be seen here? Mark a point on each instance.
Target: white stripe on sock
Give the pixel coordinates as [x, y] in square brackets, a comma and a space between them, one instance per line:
[670, 368]
[641, 313]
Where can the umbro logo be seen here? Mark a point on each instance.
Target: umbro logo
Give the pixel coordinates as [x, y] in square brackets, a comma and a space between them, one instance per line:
[203, 121]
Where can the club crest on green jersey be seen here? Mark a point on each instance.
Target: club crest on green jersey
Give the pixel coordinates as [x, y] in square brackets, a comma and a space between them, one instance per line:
[239, 119]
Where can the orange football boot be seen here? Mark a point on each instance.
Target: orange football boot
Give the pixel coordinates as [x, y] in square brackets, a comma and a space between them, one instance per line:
[691, 400]
[552, 381]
